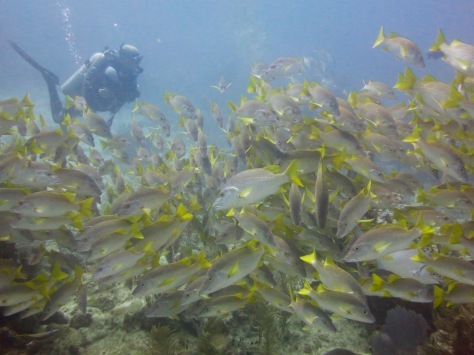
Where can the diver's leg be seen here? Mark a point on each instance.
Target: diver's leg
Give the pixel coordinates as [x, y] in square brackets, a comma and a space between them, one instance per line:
[110, 120]
[55, 102]
[51, 80]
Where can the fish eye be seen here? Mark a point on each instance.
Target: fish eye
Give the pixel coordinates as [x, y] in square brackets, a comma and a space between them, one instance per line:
[365, 312]
[356, 248]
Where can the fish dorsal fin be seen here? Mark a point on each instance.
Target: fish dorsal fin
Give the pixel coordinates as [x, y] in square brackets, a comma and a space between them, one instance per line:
[429, 79]
[329, 262]
[393, 278]
[377, 283]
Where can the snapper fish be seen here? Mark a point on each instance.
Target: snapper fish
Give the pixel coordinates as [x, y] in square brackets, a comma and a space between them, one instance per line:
[222, 85]
[401, 47]
[217, 115]
[232, 267]
[382, 241]
[342, 303]
[51, 204]
[97, 125]
[253, 185]
[322, 98]
[379, 89]
[182, 105]
[459, 55]
[152, 112]
[262, 71]
[256, 112]
[12, 105]
[286, 66]
[401, 264]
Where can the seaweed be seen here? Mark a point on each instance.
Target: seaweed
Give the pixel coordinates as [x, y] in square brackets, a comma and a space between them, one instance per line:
[165, 341]
[455, 326]
[269, 324]
[214, 338]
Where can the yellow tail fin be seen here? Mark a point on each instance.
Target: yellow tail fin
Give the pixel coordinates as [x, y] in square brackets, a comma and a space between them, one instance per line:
[380, 38]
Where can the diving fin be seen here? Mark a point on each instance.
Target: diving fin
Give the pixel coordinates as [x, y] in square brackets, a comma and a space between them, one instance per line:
[52, 81]
[50, 77]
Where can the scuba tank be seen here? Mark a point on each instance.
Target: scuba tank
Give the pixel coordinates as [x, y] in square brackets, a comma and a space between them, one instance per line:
[73, 86]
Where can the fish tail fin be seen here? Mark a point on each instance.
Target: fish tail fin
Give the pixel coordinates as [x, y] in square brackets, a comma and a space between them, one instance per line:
[420, 257]
[85, 206]
[167, 97]
[421, 196]
[310, 258]
[405, 82]
[377, 283]
[414, 136]
[26, 101]
[440, 39]
[136, 106]
[252, 86]
[306, 290]
[183, 213]
[232, 106]
[69, 102]
[76, 222]
[454, 99]
[380, 38]
[292, 172]
[425, 241]
[292, 296]
[438, 296]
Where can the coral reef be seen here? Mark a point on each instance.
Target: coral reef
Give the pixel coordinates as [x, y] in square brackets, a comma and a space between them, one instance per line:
[454, 330]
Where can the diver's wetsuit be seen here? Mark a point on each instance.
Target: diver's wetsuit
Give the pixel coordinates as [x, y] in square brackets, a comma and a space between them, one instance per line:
[102, 91]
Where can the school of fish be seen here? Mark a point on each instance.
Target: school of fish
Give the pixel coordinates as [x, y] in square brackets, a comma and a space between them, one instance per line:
[348, 198]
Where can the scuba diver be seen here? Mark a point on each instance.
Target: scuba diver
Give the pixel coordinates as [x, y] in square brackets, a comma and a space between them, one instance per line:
[106, 81]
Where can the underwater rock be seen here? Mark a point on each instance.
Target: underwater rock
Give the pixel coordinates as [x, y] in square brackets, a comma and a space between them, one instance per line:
[382, 344]
[81, 320]
[58, 318]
